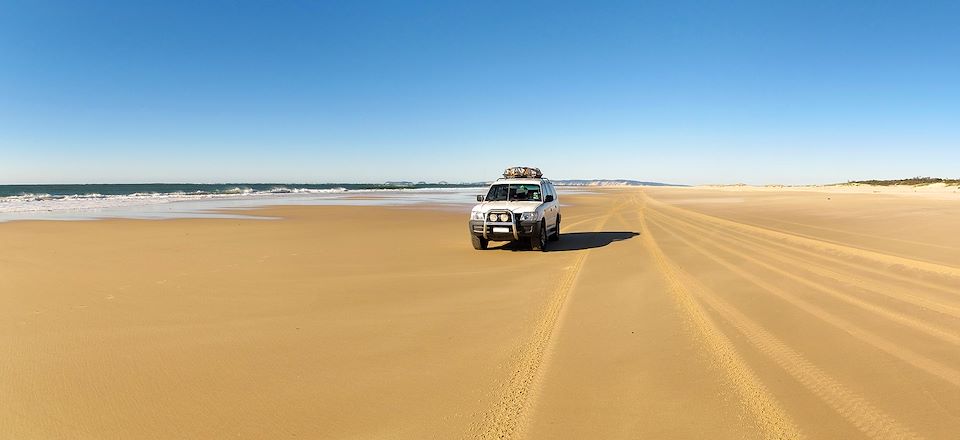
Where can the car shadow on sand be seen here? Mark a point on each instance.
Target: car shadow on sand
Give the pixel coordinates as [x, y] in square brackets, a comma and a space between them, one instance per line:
[575, 241]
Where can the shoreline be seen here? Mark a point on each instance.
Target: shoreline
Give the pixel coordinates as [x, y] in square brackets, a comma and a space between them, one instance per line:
[227, 205]
[233, 206]
[220, 206]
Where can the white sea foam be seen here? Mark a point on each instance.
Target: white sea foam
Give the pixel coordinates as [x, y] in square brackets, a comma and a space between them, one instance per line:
[175, 204]
[31, 202]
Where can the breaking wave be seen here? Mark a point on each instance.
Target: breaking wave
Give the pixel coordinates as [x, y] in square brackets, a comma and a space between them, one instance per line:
[29, 202]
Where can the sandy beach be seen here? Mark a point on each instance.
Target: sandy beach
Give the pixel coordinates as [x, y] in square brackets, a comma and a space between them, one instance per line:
[661, 313]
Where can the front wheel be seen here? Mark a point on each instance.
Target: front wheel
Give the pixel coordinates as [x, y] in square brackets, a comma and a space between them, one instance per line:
[479, 243]
[538, 241]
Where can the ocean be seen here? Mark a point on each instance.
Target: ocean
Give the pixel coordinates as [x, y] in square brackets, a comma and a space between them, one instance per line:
[61, 191]
[167, 200]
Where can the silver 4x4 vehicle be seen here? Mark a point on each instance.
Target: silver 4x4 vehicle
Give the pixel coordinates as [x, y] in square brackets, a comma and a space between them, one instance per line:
[522, 206]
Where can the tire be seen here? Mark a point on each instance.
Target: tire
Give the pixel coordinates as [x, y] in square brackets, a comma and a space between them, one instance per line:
[556, 231]
[538, 240]
[479, 243]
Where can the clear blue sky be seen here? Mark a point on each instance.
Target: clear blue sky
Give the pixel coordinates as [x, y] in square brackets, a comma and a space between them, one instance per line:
[298, 91]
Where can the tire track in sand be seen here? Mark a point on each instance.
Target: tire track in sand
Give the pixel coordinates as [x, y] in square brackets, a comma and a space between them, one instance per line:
[848, 298]
[771, 420]
[870, 420]
[816, 243]
[911, 357]
[853, 233]
[508, 417]
[822, 259]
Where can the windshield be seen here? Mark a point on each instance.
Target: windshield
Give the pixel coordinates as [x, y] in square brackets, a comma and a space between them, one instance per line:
[514, 193]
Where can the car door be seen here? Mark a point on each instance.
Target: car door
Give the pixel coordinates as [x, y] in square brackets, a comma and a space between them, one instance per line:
[552, 208]
[556, 203]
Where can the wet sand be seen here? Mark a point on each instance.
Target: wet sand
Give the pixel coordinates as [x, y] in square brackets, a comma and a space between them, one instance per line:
[662, 313]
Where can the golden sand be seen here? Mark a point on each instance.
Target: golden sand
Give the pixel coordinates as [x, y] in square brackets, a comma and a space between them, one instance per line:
[662, 313]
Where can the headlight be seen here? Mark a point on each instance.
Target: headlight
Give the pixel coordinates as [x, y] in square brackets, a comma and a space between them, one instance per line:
[528, 216]
[492, 217]
[476, 215]
[504, 217]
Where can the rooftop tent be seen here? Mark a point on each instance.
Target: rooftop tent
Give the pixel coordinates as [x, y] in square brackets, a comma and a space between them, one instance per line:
[522, 172]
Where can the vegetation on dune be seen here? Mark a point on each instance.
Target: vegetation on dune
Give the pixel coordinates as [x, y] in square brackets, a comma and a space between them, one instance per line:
[911, 181]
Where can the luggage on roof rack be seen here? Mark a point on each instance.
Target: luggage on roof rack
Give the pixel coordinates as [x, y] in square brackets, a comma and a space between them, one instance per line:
[522, 172]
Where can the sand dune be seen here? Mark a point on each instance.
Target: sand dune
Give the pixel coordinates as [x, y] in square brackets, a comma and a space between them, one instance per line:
[662, 313]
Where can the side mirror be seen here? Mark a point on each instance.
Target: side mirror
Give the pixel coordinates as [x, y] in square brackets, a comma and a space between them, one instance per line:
[548, 199]
[479, 198]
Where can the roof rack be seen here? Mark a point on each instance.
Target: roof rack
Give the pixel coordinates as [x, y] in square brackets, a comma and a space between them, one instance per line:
[522, 172]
